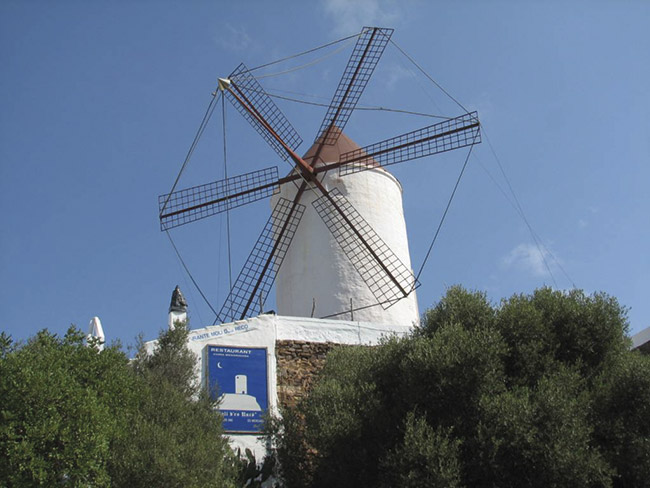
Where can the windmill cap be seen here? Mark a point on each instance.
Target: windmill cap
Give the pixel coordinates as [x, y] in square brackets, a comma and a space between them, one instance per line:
[331, 153]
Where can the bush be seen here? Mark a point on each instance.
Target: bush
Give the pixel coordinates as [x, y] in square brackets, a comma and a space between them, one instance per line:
[537, 391]
[76, 416]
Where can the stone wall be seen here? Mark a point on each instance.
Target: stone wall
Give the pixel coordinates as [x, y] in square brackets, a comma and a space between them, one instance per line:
[298, 363]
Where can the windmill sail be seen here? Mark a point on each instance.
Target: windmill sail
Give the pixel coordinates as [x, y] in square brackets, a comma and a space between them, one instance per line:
[365, 56]
[441, 137]
[257, 100]
[199, 202]
[387, 277]
[258, 274]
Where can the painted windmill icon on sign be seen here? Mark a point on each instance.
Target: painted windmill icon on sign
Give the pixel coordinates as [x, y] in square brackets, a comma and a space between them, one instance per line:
[335, 241]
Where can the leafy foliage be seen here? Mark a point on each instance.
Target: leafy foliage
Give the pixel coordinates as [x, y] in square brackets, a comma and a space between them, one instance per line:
[76, 416]
[175, 438]
[59, 412]
[537, 391]
[253, 474]
[622, 418]
[425, 458]
[540, 436]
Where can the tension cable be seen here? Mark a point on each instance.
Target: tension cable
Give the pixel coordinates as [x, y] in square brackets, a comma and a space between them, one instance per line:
[199, 132]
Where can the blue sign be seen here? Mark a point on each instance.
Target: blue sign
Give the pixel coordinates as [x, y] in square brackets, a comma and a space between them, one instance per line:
[237, 378]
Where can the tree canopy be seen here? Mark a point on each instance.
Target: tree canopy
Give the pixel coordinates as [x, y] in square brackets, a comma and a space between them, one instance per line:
[76, 416]
[539, 390]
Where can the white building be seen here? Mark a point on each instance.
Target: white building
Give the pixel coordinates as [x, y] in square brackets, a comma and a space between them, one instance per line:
[262, 361]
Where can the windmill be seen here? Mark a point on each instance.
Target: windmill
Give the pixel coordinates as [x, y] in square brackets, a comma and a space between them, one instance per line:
[387, 278]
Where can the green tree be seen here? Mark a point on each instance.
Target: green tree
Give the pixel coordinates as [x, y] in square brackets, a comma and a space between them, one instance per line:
[539, 436]
[60, 414]
[537, 391]
[425, 458]
[72, 415]
[622, 418]
[176, 437]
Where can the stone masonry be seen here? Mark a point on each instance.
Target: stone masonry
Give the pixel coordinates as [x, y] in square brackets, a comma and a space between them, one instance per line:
[298, 363]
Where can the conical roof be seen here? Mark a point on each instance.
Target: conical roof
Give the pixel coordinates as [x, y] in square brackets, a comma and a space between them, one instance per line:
[178, 302]
[331, 153]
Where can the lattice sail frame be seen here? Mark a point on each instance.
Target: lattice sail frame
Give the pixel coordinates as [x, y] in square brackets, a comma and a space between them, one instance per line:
[384, 289]
[369, 47]
[444, 136]
[198, 202]
[248, 87]
[259, 272]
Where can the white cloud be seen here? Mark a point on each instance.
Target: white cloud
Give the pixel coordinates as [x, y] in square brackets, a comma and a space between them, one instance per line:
[233, 38]
[349, 16]
[395, 74]
[585, 220]
[530, 258]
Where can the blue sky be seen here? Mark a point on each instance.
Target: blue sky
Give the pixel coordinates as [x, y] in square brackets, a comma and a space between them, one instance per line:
[100, 102]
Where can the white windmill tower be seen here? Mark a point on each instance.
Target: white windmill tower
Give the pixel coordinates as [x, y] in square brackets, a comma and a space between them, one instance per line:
[317, 278]
[336, 238]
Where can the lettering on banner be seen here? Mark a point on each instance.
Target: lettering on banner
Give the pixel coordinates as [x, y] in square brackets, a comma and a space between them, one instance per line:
[222, 331]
